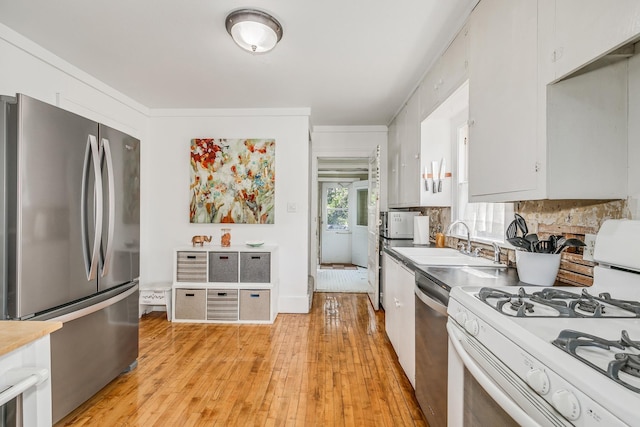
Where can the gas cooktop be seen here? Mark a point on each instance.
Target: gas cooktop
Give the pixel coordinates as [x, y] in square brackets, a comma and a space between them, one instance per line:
[550, 302]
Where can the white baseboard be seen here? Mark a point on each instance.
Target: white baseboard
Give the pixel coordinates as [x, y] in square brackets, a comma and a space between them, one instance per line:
[293, 304]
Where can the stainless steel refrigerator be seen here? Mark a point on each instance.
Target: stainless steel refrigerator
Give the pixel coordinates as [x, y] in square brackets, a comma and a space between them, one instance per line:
[70, 232]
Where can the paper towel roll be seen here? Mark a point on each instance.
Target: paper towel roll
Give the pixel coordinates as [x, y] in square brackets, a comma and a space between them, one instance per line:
[421, 230]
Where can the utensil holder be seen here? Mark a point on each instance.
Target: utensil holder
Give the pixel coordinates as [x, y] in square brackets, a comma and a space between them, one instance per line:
[538, 269]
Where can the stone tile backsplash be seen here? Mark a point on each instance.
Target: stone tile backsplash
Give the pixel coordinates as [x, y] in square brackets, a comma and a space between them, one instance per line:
[563, 216]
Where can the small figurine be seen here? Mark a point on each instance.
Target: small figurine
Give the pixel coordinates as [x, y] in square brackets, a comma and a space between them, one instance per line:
[200, 240]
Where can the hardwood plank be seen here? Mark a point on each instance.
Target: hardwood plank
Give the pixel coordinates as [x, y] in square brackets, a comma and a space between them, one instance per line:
[333, 367]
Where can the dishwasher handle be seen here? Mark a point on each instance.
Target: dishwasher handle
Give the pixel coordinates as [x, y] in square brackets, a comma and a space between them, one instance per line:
[430, 302]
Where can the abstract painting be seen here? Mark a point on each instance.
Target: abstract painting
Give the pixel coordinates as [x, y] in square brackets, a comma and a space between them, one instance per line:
[232, 181]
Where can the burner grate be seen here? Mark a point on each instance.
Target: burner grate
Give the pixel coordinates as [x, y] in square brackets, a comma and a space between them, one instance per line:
[562, 303]
[569, 341]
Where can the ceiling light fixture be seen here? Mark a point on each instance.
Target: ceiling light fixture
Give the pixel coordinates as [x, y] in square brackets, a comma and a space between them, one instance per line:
[254, 30]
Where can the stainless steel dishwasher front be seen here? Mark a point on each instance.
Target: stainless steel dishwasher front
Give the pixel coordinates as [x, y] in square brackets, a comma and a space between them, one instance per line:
[431, 349]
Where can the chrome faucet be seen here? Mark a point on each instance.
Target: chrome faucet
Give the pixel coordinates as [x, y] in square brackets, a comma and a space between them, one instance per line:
[496, 252]
[468, 250]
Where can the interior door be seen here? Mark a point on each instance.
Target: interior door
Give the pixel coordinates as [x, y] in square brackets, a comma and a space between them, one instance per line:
[336, 230]
[373, 229]
[359, 208]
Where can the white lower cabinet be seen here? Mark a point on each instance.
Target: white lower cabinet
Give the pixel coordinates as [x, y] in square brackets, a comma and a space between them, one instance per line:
[235, 284]
[400, 313]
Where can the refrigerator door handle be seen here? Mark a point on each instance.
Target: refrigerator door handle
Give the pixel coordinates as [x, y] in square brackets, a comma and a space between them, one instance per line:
[91, 258]
[108, 252]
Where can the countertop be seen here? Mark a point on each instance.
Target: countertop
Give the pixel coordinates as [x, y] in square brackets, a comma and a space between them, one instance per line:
[451, 276]
[15, 334]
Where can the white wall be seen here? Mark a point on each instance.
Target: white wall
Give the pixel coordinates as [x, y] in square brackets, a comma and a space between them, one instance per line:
[165, 191]
[340, 142]
[28, 68]
[165, 137]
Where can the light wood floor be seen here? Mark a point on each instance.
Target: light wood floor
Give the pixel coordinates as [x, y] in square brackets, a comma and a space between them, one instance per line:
[334, 367]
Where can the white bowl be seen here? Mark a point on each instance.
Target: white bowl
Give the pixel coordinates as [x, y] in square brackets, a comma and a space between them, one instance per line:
[254, 243]
[537, 268]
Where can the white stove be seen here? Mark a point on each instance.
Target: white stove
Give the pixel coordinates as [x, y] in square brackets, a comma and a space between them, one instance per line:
[557, 356]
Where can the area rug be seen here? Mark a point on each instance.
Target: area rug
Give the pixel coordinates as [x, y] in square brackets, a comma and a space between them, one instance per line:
[342, 280]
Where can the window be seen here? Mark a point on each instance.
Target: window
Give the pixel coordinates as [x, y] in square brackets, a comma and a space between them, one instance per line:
[486, 221]
[362, 214]
[338, 208]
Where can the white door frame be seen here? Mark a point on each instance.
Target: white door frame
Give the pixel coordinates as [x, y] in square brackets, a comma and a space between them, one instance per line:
[360, 146]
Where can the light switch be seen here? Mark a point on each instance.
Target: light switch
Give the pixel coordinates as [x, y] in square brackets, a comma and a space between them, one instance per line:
[291, 207]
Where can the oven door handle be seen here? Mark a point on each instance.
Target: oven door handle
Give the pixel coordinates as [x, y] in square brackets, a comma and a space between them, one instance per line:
[496, 393]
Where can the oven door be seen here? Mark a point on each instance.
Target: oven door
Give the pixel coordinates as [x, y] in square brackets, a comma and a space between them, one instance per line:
[477, 398]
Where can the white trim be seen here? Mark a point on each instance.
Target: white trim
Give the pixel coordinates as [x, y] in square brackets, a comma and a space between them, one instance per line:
[229, 112]
[346, 129]
[291, 304]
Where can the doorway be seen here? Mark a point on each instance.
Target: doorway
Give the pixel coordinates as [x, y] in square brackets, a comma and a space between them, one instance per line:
[342, 225]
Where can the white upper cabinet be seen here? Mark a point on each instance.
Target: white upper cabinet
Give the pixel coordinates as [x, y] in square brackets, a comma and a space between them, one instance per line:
[530, 140]
[586, 30]
[410, 176]
[503, 99]
[404, 157]
[406, 151]
[393, 165]
[447, 74]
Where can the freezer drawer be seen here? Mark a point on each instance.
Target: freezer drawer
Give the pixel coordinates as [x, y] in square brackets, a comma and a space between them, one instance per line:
[255, 304]
[190, 304]
[192, 267]
[222, 304]
[255, 267]
[92, 349]
[223, 266]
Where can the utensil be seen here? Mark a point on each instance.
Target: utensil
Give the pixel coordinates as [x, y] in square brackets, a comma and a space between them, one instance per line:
[519, 242]
[512, 230]
[570, 243]
[442, 168]
[544, 246]
[426, 178]
[434, 174]
[522, 224]
[531, 237]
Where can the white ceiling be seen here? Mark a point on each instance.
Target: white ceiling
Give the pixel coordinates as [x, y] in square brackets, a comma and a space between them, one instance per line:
[353, 62]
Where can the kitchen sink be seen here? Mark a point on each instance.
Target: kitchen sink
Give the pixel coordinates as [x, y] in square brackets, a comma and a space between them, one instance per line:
[444, 257]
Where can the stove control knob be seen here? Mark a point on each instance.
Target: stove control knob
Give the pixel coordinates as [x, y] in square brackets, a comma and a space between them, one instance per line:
[539, 381]
[471, 326]
[461, 317]
[567, 404]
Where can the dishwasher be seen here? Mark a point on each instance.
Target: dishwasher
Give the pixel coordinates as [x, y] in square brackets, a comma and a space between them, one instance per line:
[431, 348]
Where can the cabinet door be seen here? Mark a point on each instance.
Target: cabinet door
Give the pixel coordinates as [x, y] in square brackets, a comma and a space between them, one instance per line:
[407, 323]
[410, 176]
[390, 271]
[587, 29]
[429, 99]
[454, 65]
[393, 165]
[503, 97]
